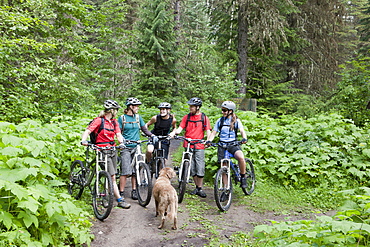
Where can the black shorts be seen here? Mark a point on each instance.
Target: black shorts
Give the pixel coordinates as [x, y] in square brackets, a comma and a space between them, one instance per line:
[221, 151]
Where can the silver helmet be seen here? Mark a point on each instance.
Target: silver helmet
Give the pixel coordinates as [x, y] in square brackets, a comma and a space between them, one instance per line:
[111, 104]
[195, 101]
[229, 105]
[133, 101]
[164, 105]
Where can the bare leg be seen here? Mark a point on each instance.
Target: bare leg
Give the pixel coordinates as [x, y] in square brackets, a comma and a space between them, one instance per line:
[122, 182]
[241, 161]
[115, 187]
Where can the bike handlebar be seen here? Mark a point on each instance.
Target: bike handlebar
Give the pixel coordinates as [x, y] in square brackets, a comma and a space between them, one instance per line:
[223, 144]
[96, 147]
[192, 141]
[126, 142]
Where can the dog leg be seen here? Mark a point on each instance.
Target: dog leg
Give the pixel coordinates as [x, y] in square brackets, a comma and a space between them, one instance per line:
[156, 208]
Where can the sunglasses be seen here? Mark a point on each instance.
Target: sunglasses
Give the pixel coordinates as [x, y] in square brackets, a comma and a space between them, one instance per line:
[224, 110]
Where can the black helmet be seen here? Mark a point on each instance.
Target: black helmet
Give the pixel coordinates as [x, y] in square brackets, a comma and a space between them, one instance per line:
[164, 105]
[111, 104]
[133, 101]
[229, 105]
[195, 101]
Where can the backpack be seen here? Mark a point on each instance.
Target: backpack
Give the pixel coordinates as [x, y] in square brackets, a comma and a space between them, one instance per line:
[201, 120]
[94, 135]
[137, 120]
[221, 124]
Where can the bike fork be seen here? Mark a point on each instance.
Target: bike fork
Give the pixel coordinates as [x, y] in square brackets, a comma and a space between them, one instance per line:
[225, 184]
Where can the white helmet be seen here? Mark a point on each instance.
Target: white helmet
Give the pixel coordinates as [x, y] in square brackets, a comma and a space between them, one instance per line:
[164, 105]
[229, 105]
[133, 101]
[111, 104]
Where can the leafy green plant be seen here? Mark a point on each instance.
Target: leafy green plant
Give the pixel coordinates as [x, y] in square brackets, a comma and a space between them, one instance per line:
[349, 227]
[35, 209]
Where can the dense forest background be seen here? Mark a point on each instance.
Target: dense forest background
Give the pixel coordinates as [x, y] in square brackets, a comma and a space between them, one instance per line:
[295, 57]
[306, 62]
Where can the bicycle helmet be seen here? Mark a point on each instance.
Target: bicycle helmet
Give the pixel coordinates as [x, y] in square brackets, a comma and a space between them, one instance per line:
[164, 105]
[133, 101]
[195, 101]
[111, 104]
[229, 105]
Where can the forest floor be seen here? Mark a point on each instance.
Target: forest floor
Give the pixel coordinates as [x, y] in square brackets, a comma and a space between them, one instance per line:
[200, 222]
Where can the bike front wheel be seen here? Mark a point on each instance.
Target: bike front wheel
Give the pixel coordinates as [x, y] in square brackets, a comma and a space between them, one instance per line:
[223, 189]
[144, 184]
[183, 180]
[250, 177]
[102, 194]
[159, 166]
[76, 179]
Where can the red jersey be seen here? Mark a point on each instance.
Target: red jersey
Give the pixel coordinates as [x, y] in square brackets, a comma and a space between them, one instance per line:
[106, 135]
[194, 128]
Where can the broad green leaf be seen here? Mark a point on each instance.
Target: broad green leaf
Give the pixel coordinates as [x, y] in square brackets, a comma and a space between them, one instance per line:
[366, 152]
[12, 140]
[30, 203]
[11, 151]
[28, 219]
[6, 219]
[17, 174]
[17, 190]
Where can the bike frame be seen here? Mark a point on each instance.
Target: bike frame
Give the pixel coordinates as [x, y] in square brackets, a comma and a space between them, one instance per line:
[139, 156]
[228, 163]
[187, 155]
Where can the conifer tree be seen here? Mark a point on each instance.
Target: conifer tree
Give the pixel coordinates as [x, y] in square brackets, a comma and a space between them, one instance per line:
[156, 52]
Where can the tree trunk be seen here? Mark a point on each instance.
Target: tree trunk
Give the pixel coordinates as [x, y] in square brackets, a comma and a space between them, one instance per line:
[242, 47]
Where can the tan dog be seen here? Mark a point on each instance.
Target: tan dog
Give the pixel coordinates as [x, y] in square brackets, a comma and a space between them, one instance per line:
[165, 196]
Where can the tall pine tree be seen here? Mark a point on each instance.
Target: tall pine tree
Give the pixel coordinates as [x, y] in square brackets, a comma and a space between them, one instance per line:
[156, 52]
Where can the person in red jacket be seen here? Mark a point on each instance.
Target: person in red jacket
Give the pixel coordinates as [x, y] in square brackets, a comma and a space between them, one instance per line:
[194, 124]
[105, 138]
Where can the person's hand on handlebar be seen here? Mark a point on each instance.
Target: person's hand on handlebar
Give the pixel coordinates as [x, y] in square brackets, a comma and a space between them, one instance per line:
[208, 143]
[244, 141]
[84, 143]
[154, 139]
[121, 146]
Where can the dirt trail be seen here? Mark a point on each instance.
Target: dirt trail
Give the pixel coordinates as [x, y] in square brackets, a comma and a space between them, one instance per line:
[137, 226]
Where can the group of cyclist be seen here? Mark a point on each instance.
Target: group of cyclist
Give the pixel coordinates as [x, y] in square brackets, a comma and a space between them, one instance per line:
[128, 127]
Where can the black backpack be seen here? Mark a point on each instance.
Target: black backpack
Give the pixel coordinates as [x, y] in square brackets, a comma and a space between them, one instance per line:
[94, 135]
[201, 120]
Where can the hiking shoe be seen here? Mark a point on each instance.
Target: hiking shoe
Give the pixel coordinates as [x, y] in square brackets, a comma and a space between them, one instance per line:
[224, 196]
[123, 204]
[201, 193]
[122, 194]
[243, 182]
[194, 192]
[134, 195]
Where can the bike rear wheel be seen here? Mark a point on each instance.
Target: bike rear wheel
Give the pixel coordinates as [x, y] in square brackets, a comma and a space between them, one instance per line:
[159, 166]
[76, 179]
[102, 194]
[183, 180]
[250, 177]
[144, 184]
[223, 195]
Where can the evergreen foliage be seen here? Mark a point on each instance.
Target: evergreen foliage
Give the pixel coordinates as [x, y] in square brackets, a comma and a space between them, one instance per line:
[156, 52]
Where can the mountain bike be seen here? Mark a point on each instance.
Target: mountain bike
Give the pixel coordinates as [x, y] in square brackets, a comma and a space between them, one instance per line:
[141, 172]
[93, 174]
[185, 166]
[223, 188]
[158, 159]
